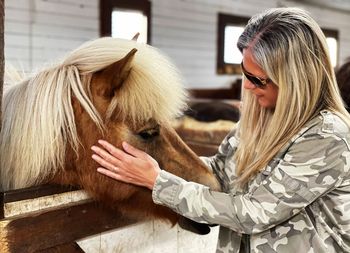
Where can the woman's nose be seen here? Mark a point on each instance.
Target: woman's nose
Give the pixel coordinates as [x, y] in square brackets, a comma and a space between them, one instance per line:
[248, 85]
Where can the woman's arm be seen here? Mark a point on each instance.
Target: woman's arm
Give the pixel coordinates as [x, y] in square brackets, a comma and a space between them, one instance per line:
[313, 166]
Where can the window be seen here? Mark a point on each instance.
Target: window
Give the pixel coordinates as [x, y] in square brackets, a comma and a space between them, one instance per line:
[230, 28]
[125, 18]
[332, 41]
[228, 56]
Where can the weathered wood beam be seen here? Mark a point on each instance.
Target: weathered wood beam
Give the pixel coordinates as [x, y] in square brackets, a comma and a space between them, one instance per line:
[43, 230]
[50, 218]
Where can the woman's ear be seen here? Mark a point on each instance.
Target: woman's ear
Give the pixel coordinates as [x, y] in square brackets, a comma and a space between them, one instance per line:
[110, 79]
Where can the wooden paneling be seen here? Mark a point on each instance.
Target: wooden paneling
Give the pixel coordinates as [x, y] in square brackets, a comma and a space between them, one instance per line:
[53, 27]
[37, 31]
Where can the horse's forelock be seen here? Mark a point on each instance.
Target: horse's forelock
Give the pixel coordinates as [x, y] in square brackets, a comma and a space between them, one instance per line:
[153, 89]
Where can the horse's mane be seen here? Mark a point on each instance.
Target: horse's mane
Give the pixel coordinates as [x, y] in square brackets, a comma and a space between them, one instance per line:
[38, 117]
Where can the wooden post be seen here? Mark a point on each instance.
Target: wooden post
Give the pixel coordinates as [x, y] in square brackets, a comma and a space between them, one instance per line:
[2, 14]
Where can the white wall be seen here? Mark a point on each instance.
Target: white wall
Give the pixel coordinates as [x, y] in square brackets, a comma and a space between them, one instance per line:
[151, 237]
[37, 31]
[41, 30]
[187, 30]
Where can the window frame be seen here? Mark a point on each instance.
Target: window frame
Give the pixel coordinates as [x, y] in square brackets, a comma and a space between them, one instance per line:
[223, 68]
[106, 9]
[332, 33]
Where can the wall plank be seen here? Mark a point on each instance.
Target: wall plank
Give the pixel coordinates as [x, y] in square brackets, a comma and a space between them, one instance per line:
[63, 24]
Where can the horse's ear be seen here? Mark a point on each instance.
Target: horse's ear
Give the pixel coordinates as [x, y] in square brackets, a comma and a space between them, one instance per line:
[136, 36]
[116, 73]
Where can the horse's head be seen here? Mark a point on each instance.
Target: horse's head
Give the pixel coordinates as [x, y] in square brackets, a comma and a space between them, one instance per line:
[121, 91]
[136, 96]
[138, 109]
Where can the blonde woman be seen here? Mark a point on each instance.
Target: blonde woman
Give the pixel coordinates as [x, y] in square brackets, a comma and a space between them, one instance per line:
[284, 169]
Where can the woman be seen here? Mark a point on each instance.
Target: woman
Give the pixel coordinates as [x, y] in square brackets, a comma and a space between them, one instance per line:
[284, 169]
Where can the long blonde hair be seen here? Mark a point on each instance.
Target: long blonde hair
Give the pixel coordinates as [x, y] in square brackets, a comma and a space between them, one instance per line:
[291, 48]
[38, 118]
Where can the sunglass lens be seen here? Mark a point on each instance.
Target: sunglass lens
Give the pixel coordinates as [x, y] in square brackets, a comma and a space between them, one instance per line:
[254, 81]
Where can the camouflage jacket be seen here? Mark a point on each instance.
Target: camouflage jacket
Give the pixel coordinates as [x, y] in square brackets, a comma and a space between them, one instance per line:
[299, 203]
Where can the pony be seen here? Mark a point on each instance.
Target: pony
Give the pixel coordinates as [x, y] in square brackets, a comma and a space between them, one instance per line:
[107, 88]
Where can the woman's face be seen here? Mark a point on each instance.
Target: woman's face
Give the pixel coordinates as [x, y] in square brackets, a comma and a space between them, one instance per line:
[267, 95]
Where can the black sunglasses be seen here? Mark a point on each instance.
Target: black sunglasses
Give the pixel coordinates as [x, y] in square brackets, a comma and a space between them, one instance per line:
[257, 81]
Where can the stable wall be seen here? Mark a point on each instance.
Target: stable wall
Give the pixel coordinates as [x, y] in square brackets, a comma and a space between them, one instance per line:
[37, 31]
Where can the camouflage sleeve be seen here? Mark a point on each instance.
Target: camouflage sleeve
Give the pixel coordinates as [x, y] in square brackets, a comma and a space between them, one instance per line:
[314, 165]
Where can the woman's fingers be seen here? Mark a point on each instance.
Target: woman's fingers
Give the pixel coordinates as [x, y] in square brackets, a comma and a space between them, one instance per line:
[115, 152]
[132, 166]
[132, 150]
[115, 162]
[111, 153]
[103, 162]
[104, 154]
[118, 153]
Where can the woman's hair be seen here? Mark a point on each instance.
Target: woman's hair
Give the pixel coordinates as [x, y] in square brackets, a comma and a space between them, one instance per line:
[291, 48]
[343, 79]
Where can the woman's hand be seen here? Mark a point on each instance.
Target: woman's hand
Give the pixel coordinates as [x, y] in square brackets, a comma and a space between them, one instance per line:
[132, 166]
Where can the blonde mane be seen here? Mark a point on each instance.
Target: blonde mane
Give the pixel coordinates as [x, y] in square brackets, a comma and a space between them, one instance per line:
[38, 117]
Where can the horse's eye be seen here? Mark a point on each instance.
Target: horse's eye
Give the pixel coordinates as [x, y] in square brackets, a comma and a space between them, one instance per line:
[149, 134]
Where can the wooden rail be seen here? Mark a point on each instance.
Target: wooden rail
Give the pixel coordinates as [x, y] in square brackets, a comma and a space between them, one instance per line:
[41, 219]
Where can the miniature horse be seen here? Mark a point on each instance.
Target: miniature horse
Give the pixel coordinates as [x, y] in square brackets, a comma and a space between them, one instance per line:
[108, 88]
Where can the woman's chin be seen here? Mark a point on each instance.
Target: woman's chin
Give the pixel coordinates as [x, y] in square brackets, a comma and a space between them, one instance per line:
[265, 103]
